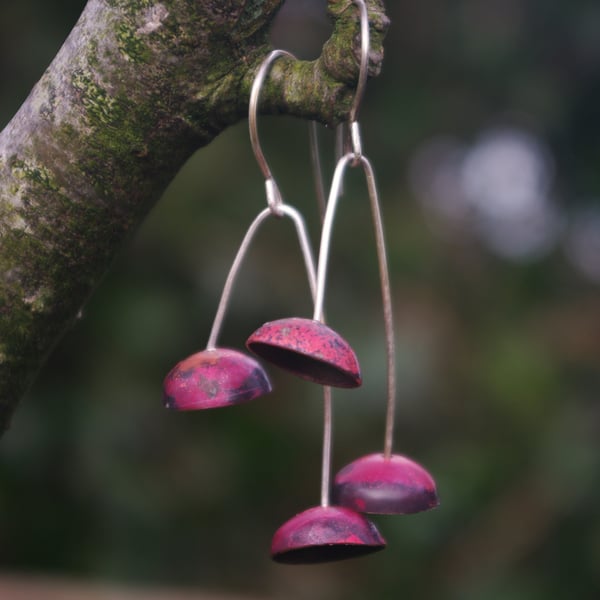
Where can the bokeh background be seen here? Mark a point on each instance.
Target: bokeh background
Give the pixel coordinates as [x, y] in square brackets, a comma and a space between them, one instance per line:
[484, 130]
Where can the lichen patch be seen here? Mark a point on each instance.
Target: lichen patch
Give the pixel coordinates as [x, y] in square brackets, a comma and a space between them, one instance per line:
[153, 19]
[39, 300]
[17, 223]
[98, 103]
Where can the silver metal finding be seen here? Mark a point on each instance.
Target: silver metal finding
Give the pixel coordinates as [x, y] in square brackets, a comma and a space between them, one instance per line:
[274, 199]
[334, 194]
[327, 444]
[315, 159]
[365, 43]
[305, 247]
[356, 142]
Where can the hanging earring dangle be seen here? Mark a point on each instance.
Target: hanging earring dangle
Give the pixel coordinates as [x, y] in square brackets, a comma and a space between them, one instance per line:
[305, 347]
[383, 483]
[380, 483]
[324, 533]
[218, 377]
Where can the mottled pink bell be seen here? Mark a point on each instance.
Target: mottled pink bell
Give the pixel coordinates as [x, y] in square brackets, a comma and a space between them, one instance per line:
[325, 534]
[214, 378]
[387, 486]
[309, 349]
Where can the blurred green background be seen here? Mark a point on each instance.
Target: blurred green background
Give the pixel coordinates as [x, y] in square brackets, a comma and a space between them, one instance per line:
[484, 130]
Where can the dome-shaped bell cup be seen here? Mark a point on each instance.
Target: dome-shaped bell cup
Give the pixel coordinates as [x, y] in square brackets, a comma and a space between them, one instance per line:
[387, 486]
[325, 534]
[213, 379]
[309, 349]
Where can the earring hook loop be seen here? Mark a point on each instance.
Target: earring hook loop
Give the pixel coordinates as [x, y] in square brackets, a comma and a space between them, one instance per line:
[274, 199]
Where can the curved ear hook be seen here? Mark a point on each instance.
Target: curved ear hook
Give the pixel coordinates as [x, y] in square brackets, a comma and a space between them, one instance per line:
[274, 199]
[355, 143]
[365, 43]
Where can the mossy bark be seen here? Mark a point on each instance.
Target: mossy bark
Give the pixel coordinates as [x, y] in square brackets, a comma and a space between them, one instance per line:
[138, 86]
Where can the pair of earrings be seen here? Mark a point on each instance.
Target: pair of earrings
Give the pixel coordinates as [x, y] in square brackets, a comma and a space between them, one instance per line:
[379, 483]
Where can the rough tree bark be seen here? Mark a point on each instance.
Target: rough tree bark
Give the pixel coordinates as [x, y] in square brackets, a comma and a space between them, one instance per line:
[138, 86]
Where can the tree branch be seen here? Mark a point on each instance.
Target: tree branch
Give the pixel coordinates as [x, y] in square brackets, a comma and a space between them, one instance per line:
[138, 86]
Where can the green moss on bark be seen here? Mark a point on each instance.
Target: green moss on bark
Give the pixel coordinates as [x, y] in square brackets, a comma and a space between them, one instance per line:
[131, 44]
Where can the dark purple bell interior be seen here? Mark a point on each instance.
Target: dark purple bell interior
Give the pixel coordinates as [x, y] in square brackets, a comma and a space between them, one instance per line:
[378, 485]
[323, 553]
[325, 534]
[303, 366]
[309, 349]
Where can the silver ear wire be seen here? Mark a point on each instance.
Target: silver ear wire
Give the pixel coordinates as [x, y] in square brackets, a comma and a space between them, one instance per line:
[348, 137]
[274, 199]
[365, 43]
[276, 206]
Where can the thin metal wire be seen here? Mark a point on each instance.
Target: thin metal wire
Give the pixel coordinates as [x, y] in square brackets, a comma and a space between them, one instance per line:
[340, 141]
[356, 142]
[327, 393]
[305, 248]
[315, 159]
[365, 43]
[386, 296]
[336, 191]
[334, 194]
[233, 270]
[327, 444]
[274, 199]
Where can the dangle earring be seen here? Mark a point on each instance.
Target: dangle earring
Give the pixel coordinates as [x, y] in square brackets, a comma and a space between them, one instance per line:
[218, 377]
[306, 347]
[324, 533]
[383, 483]
[378, 483]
